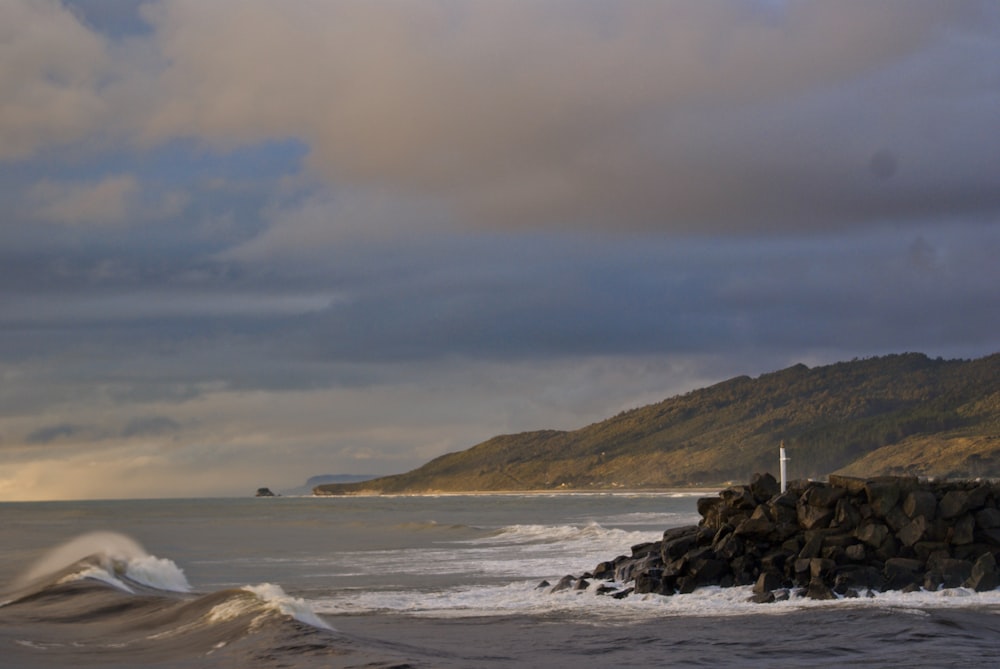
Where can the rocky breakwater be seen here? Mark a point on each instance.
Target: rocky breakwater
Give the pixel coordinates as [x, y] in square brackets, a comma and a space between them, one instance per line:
[843, 538]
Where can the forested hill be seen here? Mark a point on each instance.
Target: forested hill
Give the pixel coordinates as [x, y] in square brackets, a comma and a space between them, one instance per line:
[898, 414]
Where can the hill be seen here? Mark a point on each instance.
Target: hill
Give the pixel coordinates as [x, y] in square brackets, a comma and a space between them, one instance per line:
[897, 414]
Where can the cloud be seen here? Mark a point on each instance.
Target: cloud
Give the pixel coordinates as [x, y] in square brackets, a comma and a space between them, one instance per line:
[51, 68]
[106, 202]
[50, 433]
[681, 116]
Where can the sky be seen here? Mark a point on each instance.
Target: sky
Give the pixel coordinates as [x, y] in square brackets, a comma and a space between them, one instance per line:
[246, 242]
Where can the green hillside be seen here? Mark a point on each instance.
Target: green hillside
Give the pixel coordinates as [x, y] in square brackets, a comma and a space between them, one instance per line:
[898, 414]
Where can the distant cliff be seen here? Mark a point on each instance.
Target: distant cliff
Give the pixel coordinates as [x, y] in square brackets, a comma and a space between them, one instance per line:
[894, 415]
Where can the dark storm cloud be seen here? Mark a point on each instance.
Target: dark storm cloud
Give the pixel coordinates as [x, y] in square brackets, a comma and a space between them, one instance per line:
[51, 433]
[364, 228]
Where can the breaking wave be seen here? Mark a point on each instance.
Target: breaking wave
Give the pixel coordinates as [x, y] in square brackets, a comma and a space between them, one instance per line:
[103, 595]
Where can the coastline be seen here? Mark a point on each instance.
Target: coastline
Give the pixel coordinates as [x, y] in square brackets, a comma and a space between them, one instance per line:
[580, 492]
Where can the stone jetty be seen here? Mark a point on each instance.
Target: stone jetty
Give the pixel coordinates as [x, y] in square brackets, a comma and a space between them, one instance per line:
[841, 538]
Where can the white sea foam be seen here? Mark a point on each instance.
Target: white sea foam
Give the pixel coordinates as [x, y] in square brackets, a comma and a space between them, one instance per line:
[97, 573]
[277, 599]
[115, 559]
[158, 573]
[525, 598]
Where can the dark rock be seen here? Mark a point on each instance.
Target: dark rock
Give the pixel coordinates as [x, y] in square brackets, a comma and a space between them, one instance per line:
[883, 494]
[953, 572]
[728, 547]
[776, 560]
[769, 580]
[754, 527]
[856, 553]
[953, 504]
[839, 540]
[929, 551]
[991, 536]
[920, 503]
[829, 539]
[739, 497]
[811, 517]
[679, 541]
[708, 571]
[824, 496]
[888, 550]
[783, 514]
[988, 519]
[787, 499]
[650, 581]
[937, 530]
[707, 505]
[872, 533]
[857, 576]
[622, 594]
[264, 492]
[812, 546]
[962, 531]
[846, 516]
[647, 548]
[820, 567]
[853, 485]
[763, 487]
[913, 532]
[901, 572]
[605, 571]
[565, 583]
[896, 519]
[819, 590]
[984, 574]
[543, 584]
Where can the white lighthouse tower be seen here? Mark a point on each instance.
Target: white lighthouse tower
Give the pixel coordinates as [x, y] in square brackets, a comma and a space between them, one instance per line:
[781, 465]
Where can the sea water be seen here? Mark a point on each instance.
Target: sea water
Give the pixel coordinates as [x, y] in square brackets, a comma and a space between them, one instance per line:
[435, 581]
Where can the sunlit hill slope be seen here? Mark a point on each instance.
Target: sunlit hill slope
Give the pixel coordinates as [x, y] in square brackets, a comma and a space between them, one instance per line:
[898, 414]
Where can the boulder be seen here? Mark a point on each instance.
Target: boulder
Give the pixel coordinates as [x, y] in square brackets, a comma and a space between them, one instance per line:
[988, 519]
[872, 533]
[920, 503]
[984, 574]
[883, 495]
[913, 532]
[953, 504]
[811, 517]
[768, 581]
[824, 496]
[764, 487]
[902, 572]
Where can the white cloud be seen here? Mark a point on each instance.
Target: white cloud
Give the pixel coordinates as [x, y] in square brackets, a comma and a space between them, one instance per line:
[50, 74]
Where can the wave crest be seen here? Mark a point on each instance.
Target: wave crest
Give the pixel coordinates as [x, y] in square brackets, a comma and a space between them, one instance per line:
[111, 557]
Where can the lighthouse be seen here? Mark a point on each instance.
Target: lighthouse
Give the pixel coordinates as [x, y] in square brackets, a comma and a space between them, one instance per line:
[781, 465]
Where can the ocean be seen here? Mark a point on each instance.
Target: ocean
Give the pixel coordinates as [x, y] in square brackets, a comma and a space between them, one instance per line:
[419, 581]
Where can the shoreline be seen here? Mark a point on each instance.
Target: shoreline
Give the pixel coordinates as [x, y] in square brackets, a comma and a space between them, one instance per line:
[652, 492]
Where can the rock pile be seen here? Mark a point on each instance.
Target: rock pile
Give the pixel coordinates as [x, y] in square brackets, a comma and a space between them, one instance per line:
[822, 540]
